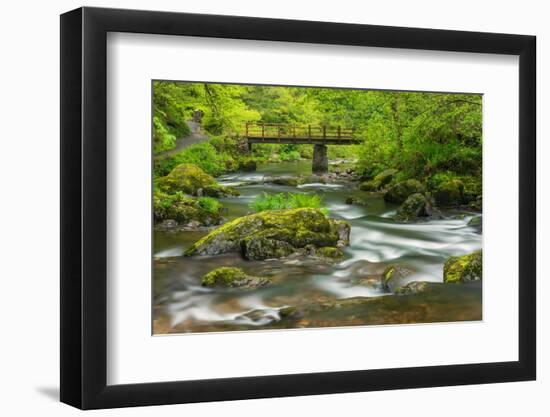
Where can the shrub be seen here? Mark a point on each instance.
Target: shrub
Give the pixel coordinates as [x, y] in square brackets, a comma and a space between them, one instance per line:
[209, 204]
[203, 155]
[290, 156]
[283, 201]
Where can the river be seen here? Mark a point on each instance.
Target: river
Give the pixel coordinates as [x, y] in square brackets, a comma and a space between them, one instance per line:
[182, 305]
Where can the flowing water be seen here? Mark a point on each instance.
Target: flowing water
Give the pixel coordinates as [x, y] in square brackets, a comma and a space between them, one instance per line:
[181, 304]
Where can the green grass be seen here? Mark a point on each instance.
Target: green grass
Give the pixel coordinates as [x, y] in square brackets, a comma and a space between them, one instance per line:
[209, 204]
[282, 201]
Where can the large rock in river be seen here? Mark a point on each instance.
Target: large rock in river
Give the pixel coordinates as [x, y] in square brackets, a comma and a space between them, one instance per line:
[400, 191]
[458, 269]
[190, 179]
[415, 206]
[449, 193]
[379, 181]
[227, 276]
[274, 234]
[184, 210]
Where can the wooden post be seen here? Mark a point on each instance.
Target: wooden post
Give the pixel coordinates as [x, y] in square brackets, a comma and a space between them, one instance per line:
[279, 132]
[309, 132]
[324, 132]
[246, 129]
[263, 131]
[338, 132]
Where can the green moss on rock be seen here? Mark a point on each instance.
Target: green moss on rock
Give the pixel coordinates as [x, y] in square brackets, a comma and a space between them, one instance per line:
[379, 181]
[247, 165]
[400, 191]
[184, 209]
[232, 277]
[393, 276]
[330, 253]
[458, 269]
[273, 234]
[385, 177]
[192, 180]
[415, 206]
[449, 193]
[187, 178]
[372, 185]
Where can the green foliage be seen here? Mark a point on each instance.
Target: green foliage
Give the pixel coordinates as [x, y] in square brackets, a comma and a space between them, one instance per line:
[209, 204]
[203, 155]
[283, 201]
[290, 156]
[184, 209]
[173, 104]
[419, 134]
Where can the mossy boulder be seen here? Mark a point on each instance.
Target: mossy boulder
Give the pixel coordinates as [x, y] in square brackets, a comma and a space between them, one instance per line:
[371, 185]
[449, 193]
[379, 181]
[459, 269]
[273, 234]
[187, 178]
[231, 277]
[218, 191]
[247, 165]
[329, 253]
[192, 180]
[394, 276]
[400, 191]
[415, 206]
[476, 223]
[184, 210]
[385, 177]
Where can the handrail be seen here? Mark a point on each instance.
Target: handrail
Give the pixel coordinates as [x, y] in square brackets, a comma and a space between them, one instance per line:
[297, 131]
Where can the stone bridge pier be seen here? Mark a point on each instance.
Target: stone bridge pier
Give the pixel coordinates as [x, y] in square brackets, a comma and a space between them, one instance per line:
[320, 159]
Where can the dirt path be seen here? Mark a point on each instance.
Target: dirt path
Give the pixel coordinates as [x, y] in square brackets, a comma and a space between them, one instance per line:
[194, 137]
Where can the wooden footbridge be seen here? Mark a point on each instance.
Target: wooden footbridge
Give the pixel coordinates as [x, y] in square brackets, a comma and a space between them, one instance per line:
[317, 135]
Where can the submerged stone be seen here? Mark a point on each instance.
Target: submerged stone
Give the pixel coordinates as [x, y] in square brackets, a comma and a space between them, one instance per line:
[394, 275]
[288, 181]
[459, 269]
[415, 287]
[232, 277]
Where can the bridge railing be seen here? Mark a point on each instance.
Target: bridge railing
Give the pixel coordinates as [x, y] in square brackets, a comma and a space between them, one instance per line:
[297, 131]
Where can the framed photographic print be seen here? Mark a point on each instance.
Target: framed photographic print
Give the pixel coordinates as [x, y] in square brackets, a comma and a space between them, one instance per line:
[257, 208]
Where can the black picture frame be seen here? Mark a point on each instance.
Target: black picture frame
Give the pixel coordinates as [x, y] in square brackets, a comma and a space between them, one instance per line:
[84, 207]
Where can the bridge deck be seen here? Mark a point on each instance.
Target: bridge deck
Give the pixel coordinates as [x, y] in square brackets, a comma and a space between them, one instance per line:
[299, 134]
